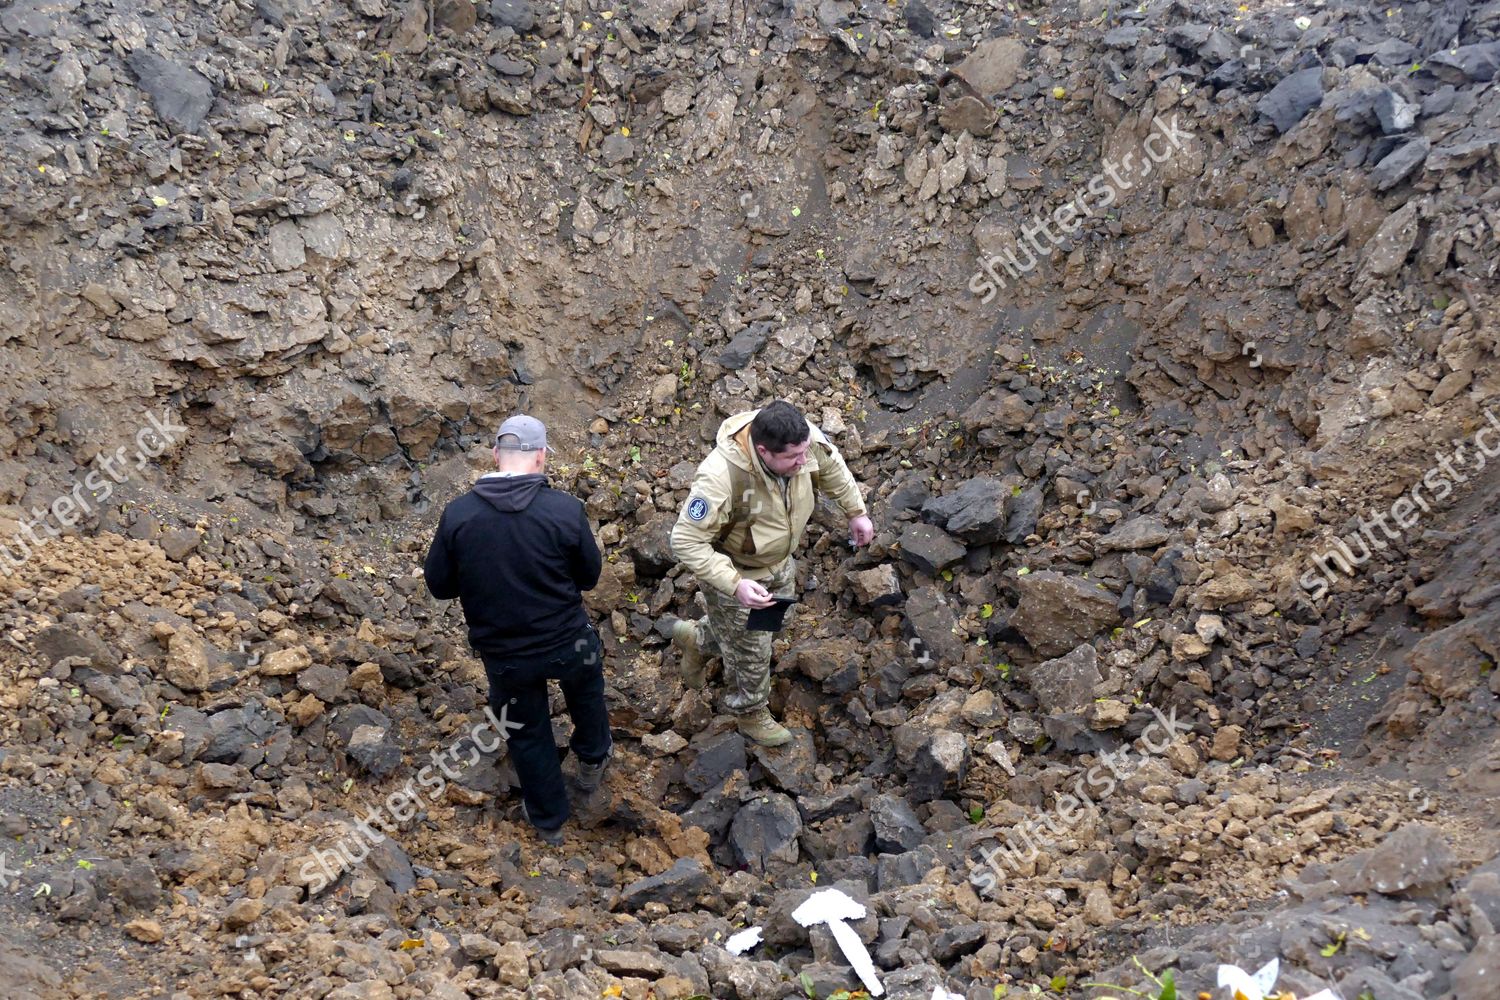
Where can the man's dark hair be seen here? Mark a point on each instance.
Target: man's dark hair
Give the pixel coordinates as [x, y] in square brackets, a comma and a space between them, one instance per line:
[779, 426]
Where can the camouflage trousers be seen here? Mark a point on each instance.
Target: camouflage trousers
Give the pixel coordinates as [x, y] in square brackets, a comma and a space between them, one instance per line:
[746, 654]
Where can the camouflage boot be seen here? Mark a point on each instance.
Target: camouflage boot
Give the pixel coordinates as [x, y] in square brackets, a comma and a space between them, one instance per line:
[761, 727]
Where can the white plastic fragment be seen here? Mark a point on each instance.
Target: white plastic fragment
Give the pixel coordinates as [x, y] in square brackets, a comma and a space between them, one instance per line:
[742, 942]
[832, 907]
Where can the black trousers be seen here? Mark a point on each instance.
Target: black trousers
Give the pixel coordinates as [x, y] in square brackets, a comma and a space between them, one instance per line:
[518, 697]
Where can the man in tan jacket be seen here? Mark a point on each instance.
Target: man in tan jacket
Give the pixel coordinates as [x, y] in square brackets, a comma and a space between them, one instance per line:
[744, 518]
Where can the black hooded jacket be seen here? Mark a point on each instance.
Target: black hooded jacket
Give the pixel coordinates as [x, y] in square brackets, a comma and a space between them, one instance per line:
[517, 554]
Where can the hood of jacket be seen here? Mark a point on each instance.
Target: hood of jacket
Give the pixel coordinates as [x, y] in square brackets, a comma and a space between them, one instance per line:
[733, 440]
[510, 493]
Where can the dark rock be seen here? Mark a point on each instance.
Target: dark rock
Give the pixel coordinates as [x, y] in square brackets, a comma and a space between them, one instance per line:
[349, 718]
[233, 731]
[938, 768]
[1162, 584]
[179, 543]
[1297, 94]
[1479, 62]
[1414, 860]
[790, 766]
[1137, 533]
[650, 547]
[1067, 683]
[1396, 113]
[713, 811]
[929, 548]
[323, 682]
[955, 942]
[932, 623]
[744, 346]
[182, 96]
[390, 863]
[765, 831]
[975, 511]
[919, 19]
[892, 871]
[519, 15]
[897, 828]
[842, 800]
[679, 887]
[718, 757]
[58, 642]
[1397, 165]
[1057, 613]
[505, 65]
[1021, 513]
[373, 749]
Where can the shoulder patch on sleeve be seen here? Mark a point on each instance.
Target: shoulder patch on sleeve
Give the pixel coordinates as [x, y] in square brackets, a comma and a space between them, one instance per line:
[697, 509]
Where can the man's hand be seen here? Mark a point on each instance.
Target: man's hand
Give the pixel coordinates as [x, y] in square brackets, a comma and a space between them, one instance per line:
[752, 595]
[861, 531]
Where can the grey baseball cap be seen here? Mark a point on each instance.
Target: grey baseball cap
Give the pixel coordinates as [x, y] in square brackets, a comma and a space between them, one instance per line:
[530, 433]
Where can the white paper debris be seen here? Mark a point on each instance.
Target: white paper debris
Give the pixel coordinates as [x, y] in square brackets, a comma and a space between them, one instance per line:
[742, 942]
[833, 907]
[939, 993]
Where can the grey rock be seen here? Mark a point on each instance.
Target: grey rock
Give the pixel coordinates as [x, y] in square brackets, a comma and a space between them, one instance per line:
[932, 623]
[1065, 684]
[938, 768]
[1475, 976]
[233, 731]
[678, 887]
[764, 832]
[519, 15]
[1414, 860]
[324, 682]
[842, 800]
[975, 511]
[373, 749]
[1292, 98]
[1137, 533]
[505, 65]
[993, 66]
[182, 96]
[718, 757]
[789, 766]
[1057, 613]
[930, 548]
[62, 641]
[179, 543]
[390, 862]
[897, 828]
[1021, 513]
[957, 941]
[1479, 61]
[1395, 112]
[349, 718]
[738, 352]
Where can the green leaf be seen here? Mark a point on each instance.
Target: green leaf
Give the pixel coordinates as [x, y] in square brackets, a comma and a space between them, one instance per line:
[807, 984]
[1001, 991]
[976, 813]
[1168, 987]
[987, 611]
[1059, 983]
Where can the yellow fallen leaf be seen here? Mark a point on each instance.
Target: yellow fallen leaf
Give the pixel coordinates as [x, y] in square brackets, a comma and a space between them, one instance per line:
[613, 990]
[411, 943]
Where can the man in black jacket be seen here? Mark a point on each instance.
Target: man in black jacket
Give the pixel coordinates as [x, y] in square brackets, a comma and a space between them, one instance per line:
[517, 554]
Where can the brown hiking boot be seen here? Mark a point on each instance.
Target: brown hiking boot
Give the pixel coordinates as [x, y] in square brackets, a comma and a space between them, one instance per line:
[761, 727]
[691, 661]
